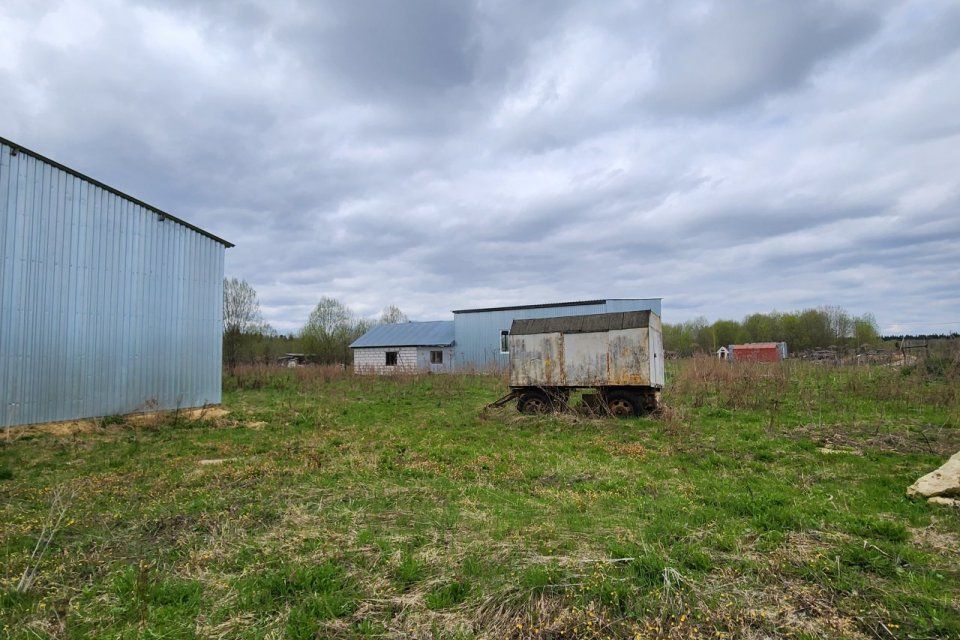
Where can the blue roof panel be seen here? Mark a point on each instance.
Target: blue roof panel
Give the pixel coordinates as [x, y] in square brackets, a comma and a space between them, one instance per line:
[438, 333]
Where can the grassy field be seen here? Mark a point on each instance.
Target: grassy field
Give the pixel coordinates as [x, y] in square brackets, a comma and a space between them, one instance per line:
[765, 501]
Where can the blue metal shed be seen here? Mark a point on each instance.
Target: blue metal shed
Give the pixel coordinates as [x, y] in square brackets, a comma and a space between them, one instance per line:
[107, 305]
[480, 334]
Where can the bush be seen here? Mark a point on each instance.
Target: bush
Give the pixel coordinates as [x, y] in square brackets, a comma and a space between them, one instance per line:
[260, 376]
[721, 385]
[941, 366]
[706, 381]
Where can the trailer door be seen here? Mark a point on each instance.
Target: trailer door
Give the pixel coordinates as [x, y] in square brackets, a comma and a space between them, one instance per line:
[657, 375]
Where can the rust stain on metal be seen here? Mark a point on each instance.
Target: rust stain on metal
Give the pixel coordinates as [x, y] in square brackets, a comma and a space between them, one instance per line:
[609, 355]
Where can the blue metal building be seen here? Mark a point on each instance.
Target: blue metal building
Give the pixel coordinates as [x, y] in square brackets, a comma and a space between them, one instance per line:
[480, 334]
[107, 304]
[476, 340]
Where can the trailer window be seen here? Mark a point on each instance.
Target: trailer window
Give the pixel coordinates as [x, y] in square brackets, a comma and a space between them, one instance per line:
[504, 343]
[436, 357]
[391, 358]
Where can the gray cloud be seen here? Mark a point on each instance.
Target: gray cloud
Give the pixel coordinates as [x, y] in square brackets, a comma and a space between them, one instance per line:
[380, 49]
[729, 156]
[732, 53]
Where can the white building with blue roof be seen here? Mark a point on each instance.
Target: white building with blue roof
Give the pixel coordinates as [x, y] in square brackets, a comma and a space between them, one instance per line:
[407, 346]
[475, 340]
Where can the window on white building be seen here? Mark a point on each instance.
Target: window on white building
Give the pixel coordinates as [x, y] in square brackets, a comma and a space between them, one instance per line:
[504, 342]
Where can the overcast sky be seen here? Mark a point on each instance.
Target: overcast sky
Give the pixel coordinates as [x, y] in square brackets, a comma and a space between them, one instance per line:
[730, 157]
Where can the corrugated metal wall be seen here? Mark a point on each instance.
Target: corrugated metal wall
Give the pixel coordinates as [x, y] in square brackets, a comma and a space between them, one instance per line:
[615, 305]
[477, 333]
[105, 307]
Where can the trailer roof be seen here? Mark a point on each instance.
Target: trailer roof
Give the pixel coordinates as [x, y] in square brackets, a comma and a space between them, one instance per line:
[592, 323]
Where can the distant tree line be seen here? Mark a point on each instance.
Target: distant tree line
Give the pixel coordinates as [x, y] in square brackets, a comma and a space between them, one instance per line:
[921, 336]
[818, 328]
[324, 339]
[332, 326]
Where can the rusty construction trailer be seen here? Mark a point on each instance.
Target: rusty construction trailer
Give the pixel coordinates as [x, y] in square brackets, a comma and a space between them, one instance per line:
[618, 354]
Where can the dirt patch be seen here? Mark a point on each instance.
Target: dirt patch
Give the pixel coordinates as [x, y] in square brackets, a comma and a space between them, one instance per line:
[791, 605]
[944, 502]
[829, 451]
[97, 425]
[214, 461]
[796, 607]
[893, 438]
[67, 428]
[203, 413]
[941, 541]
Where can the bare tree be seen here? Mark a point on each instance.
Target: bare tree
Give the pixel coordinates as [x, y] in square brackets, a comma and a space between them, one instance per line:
[242, 318]
[393, 315]
[241, 308]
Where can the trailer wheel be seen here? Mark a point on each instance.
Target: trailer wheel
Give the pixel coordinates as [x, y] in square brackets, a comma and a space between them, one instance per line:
[623, 405]
[533, 402]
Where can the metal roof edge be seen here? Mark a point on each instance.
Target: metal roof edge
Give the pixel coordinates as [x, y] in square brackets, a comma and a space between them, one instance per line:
[757, 345]
[391, 346]
[167, 216]
[575, 303]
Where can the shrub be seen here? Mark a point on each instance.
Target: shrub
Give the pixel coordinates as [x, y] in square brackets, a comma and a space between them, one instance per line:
[261, 376]
[705, 381]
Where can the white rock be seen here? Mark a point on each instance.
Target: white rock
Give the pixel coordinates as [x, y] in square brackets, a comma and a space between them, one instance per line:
[947, 502]
[945, 481]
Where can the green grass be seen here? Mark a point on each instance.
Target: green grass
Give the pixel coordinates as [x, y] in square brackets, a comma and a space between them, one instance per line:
[371, 507]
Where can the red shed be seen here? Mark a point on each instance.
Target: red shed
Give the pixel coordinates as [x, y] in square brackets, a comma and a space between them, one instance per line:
[758, 352]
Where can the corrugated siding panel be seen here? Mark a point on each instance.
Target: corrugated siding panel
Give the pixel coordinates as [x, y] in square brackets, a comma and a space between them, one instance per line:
[104, 308]
[626, 304]
[756, 353]
[477, 334]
